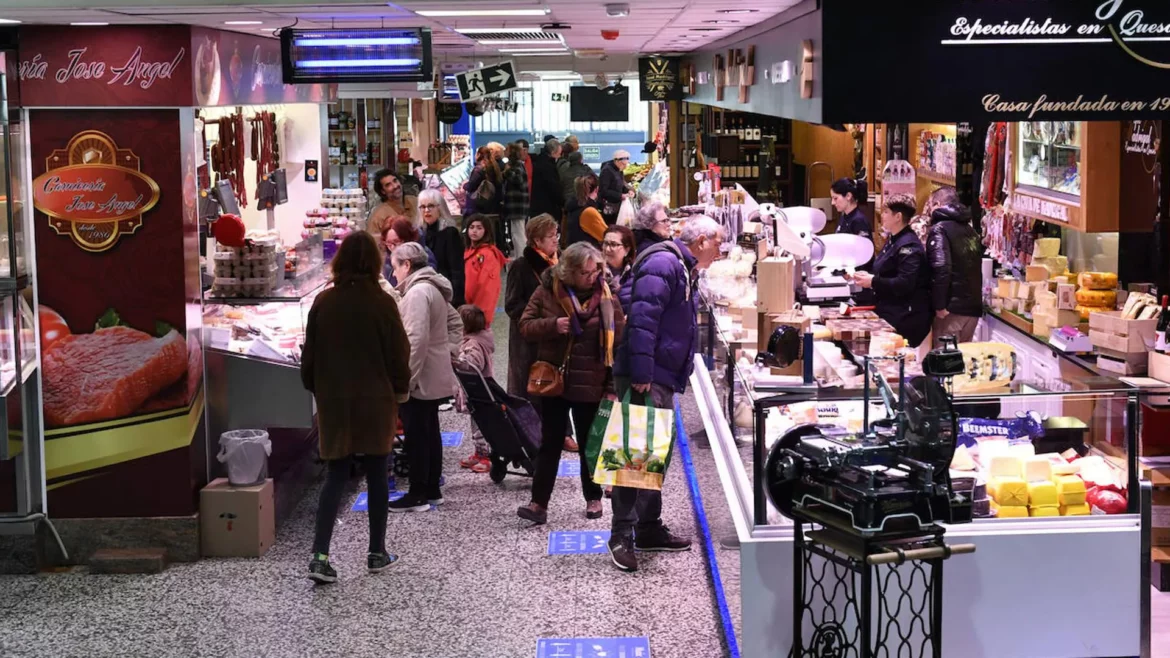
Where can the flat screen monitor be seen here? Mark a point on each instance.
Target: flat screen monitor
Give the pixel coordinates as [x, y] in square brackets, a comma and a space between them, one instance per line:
[280, 179]
[593, 104]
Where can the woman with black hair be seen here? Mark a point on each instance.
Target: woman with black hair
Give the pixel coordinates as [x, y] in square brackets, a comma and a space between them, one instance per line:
[901, 275]
[847, 195]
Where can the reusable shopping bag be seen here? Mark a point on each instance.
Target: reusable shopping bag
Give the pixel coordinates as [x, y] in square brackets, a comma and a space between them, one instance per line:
[630, 445]
[626, 213]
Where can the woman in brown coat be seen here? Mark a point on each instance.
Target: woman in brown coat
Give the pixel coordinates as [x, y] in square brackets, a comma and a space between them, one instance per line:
[523, 279]
[356, 363]
[575, 322]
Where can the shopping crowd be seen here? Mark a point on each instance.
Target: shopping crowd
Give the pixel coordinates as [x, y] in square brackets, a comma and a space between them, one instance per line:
[595, 310]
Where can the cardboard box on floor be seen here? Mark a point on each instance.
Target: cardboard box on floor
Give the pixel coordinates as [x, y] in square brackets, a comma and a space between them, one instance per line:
[236, 521]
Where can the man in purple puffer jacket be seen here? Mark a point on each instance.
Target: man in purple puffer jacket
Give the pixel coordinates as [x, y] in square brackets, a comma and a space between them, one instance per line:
[656, 357]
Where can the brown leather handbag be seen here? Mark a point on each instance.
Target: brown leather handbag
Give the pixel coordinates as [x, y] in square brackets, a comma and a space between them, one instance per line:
[547, 380]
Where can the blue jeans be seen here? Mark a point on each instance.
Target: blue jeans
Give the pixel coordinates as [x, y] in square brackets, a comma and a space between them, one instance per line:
[639, 509]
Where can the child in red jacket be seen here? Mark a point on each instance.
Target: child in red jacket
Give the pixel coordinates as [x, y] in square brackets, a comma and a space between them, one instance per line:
[483, 264]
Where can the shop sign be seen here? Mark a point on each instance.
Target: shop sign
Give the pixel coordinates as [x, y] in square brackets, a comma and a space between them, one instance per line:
[1001, 61]
[94, 192]
[660, 78]
[1140, 177]
[106, 66]
[1037, 207]
[449, 113]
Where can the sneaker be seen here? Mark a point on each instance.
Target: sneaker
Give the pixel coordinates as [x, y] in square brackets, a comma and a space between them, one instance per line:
[436, 500]
[470, 461]
[534, 514]
[320, 570]
[621, 550]
[409, 504]
[446, 406]
[593, 509]
[484, 465]
[378, 562]
[660, 540]
[570, 445]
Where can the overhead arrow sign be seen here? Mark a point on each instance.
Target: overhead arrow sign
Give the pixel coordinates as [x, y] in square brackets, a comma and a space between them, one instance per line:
[488, 81]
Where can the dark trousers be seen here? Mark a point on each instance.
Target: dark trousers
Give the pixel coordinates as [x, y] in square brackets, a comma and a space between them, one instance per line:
[639, 510]
[554, 417]
[424, 446]
[379, 501]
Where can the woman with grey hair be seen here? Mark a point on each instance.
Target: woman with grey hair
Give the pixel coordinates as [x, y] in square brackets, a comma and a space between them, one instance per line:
[651, 225]
[426, 315]
[613, 185]
[441, 236]
[575, 322]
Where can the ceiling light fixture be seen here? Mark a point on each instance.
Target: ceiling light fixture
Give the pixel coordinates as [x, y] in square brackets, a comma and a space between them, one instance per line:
[88, 24]
[705, 29]
[452, 13]
[521, 42]
[8, 21]
[557, 54]
[533, 50]
[736, 11]
[243, 22]
[720, 22]
[493, 30]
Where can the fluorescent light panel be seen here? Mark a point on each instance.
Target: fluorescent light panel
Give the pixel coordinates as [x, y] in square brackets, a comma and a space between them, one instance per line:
[356, 63]
[88, 24]
[452, 13]
[563, 52]
[243, 22]
[534, 50]
[8, 21]
[521, 42]
[359, 41]
[492, 30]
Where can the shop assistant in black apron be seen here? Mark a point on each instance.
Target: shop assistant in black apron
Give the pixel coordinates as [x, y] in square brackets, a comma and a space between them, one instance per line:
[847, 195]
[901, 275]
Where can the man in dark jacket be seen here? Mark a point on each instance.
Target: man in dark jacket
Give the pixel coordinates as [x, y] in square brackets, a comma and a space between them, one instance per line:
[613, 185]
[955, 257]
[656, 357]
[573, 169]
[547, 195]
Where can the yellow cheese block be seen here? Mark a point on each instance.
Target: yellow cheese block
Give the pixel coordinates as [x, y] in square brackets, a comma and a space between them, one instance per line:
[1059, 470]
[1008, 491]
[1069, 484]
[1070, 499]
[1074, 510]
[1046, 247]
[1097, 280]
[1045, 299]
[1086, 297]
[1042, 494]
[1036, 273]
[1009, 511]
[1057, 265]
[1049, 510]
[1084, 311]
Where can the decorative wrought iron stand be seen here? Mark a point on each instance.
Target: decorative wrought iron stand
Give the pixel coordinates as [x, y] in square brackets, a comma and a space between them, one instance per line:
[836, 611]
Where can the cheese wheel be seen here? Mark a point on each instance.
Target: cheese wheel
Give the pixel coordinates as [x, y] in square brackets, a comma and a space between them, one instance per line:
[1107, 298]
[1084, 311]
[1097, 280]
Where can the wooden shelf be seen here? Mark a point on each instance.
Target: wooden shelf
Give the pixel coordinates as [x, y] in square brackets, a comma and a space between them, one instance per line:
[935, 177]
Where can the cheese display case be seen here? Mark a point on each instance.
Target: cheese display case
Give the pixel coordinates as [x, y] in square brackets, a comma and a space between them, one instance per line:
[1067, 173]
[1046, 443]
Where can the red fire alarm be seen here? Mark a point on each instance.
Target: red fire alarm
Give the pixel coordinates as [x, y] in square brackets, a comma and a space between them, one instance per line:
[610, 35]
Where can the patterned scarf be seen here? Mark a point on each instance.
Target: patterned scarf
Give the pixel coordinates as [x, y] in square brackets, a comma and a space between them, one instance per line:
[578, 315]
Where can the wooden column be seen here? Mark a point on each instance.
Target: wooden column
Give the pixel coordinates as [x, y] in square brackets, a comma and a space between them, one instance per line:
[677, 159]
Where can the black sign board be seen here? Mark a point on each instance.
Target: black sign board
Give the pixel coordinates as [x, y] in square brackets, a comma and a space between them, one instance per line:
[312, 171]
[660, 78]
[488, 81]
[448, 113]
[978, 60]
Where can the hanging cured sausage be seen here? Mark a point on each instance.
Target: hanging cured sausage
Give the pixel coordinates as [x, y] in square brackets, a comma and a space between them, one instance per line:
[265, 145]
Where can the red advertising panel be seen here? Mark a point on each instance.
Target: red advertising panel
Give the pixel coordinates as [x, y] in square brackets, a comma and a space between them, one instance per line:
[128, 66]
[244, 69]
[121, 364]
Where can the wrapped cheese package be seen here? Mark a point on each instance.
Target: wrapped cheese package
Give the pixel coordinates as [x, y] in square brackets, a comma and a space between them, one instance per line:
[1009, 511]
[1042, 494]
[1005, 466]
[1008, 491]
[1038, 469]
[1046, 248]
[1066, 296]
[1049, 510]
[1074, 510]
[1086, 297]
[1097, 280]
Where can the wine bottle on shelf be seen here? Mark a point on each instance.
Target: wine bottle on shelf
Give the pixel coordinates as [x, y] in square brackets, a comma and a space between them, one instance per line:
[1160, 341]
[344, 157]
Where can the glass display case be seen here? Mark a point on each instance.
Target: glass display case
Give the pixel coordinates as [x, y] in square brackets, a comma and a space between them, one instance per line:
[1067, 173]
[1048, 156]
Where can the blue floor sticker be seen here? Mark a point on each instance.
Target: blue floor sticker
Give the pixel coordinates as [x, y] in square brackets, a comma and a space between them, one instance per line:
[578, 542]
[452, 439]
[593, 647]
[569, 468]
[362, 504]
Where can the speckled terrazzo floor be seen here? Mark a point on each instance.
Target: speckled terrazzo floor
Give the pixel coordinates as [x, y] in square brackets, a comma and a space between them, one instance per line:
[473, 581]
